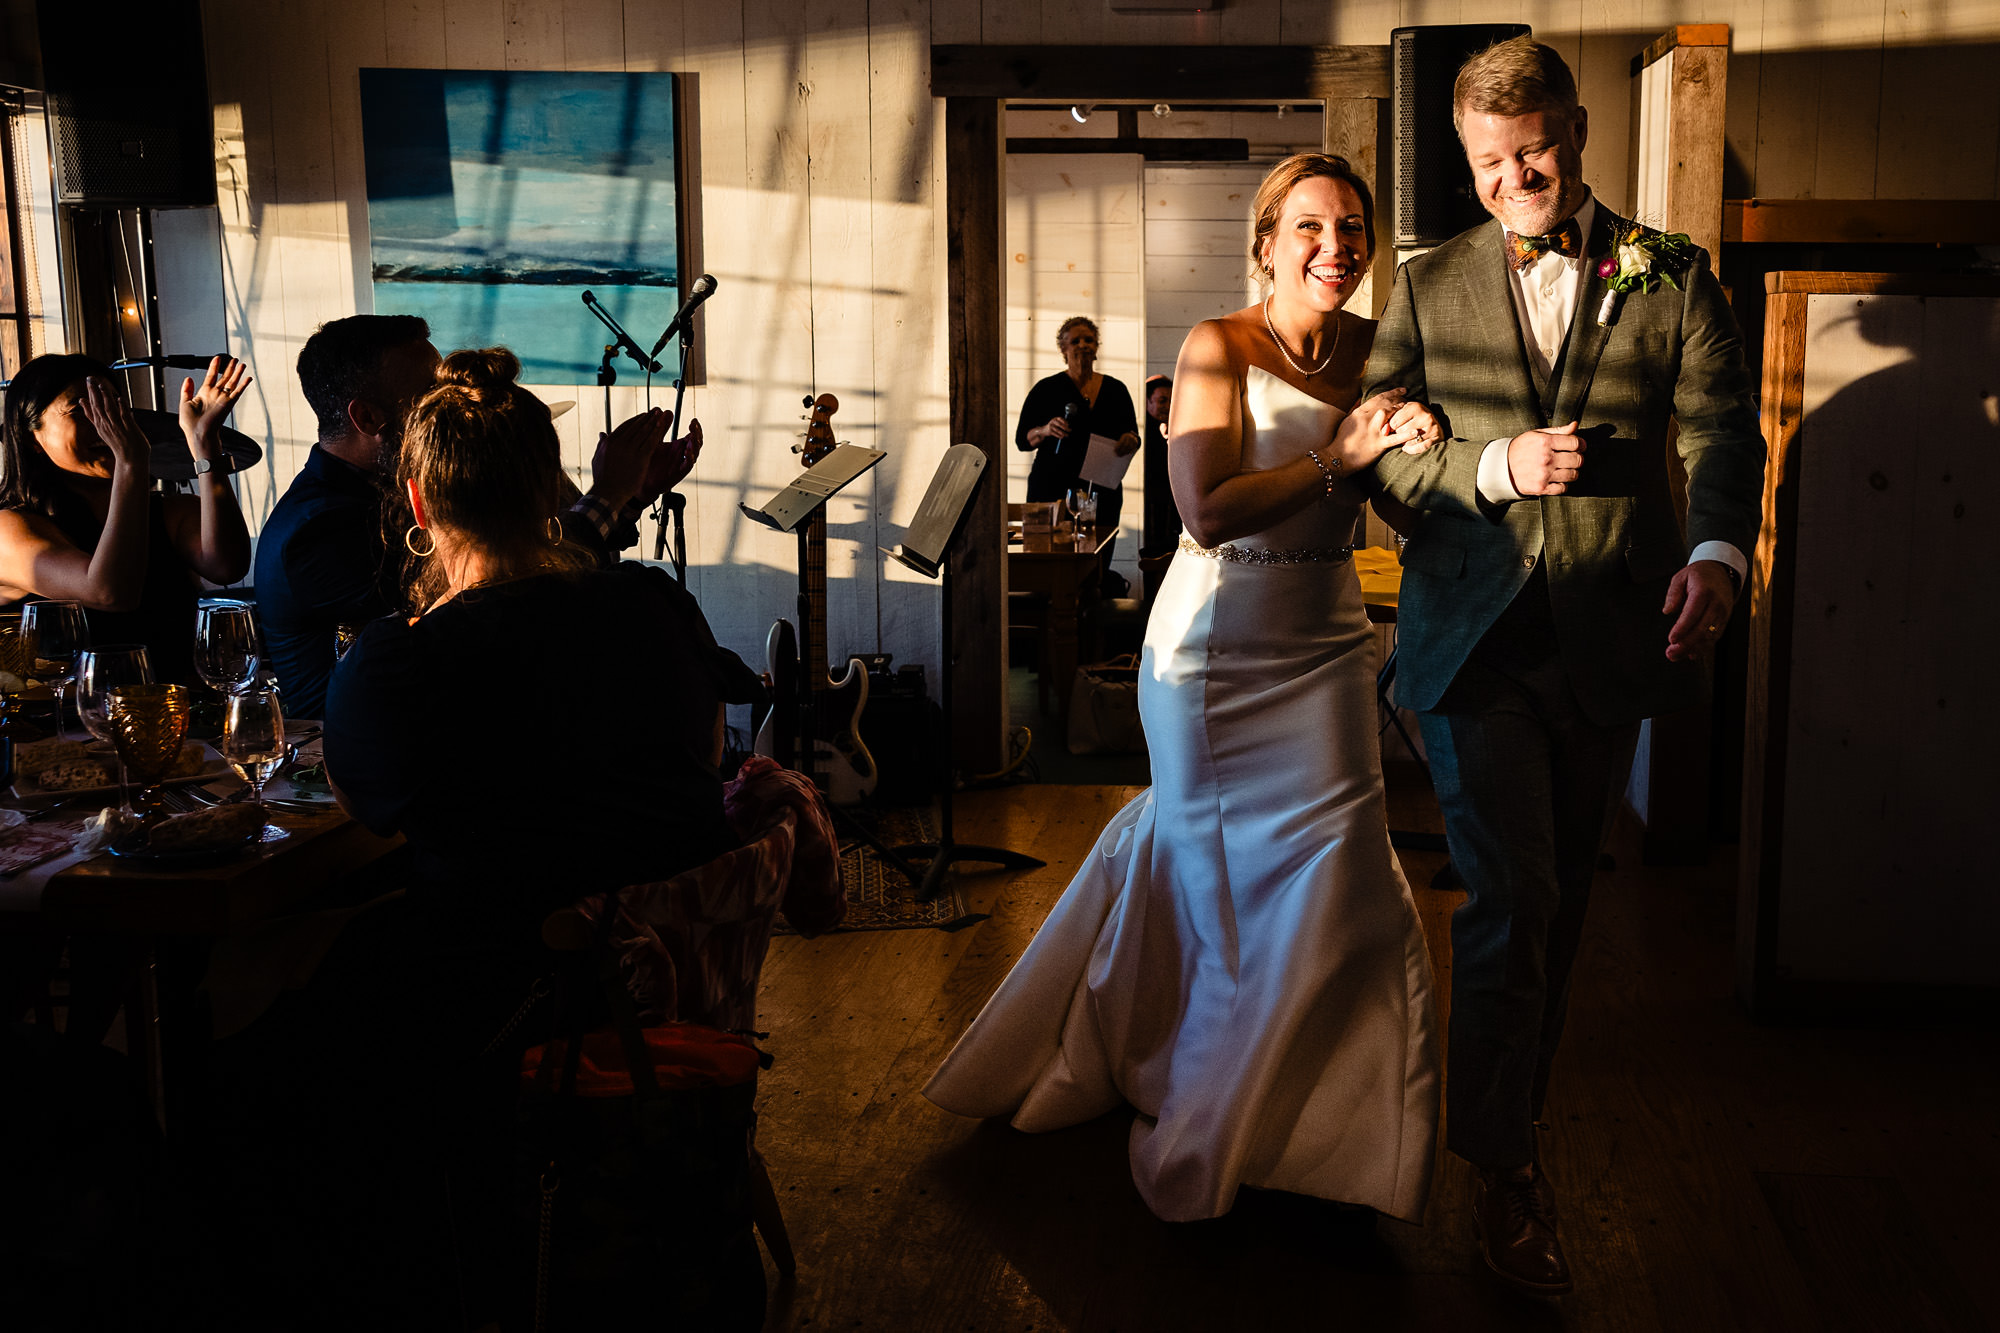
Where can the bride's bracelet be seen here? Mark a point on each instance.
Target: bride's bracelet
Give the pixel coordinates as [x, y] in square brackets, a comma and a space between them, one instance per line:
[1332, 474]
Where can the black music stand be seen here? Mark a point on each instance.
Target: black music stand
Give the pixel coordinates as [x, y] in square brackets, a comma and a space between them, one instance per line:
[787, 511]
[926, 549]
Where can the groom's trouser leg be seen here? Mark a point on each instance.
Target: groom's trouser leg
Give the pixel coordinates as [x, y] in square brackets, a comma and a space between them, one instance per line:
[1525, 781]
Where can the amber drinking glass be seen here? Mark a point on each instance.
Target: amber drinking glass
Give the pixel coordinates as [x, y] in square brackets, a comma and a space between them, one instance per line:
[148, 724]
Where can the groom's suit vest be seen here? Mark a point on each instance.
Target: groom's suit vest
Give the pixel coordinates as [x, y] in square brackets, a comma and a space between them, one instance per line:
[1605, 550]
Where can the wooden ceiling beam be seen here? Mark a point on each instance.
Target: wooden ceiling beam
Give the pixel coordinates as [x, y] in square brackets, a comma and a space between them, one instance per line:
[1106, 73]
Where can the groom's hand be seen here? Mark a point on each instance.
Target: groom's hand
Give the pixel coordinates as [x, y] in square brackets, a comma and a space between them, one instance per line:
[1703, 597]
[1545, 462]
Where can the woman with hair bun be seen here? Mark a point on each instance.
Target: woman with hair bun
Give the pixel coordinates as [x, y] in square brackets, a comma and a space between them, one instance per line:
[1240, 959]
[525, 667]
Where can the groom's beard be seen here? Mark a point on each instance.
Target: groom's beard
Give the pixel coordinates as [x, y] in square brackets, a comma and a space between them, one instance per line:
[1542, 215]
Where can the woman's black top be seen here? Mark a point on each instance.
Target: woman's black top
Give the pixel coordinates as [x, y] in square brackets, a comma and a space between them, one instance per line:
[164, 618]
[536, 741]
[1059, 465]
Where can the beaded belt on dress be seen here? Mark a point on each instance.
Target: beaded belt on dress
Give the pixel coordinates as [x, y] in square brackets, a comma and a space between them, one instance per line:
[1256, 555]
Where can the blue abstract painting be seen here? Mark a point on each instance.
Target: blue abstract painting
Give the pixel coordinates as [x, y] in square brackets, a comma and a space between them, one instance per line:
[496, 199]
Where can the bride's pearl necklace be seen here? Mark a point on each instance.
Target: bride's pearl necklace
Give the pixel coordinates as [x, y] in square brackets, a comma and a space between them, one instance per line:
[1286, 353]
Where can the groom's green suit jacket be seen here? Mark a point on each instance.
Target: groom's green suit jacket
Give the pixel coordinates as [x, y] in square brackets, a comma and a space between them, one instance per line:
[1450, 336]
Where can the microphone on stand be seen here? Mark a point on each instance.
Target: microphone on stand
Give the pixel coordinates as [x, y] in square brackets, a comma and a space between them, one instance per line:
[704, 287]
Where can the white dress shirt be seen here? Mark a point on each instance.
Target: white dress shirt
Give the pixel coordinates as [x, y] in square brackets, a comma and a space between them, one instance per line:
[1545, 296]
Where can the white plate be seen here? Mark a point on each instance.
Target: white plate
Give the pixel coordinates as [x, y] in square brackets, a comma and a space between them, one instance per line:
[213, 766]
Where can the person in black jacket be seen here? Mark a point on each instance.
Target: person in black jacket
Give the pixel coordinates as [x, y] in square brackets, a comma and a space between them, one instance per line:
[1062, 412]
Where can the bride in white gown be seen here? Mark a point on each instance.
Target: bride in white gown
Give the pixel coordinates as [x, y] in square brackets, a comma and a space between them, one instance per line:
[1240, 958]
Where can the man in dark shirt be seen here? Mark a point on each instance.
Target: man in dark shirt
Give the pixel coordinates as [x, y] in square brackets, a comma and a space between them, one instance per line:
[321, 558]
[325, 558]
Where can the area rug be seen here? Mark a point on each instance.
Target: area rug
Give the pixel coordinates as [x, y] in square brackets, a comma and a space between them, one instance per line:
[878, 895]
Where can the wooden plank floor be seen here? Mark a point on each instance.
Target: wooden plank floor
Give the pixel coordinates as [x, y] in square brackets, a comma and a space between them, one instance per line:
[1713, 1174]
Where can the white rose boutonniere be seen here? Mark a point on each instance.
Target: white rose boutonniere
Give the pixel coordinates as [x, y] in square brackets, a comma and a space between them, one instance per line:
[1641, 261]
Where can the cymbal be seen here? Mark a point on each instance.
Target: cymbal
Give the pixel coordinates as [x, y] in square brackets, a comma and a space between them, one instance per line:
[171, 459]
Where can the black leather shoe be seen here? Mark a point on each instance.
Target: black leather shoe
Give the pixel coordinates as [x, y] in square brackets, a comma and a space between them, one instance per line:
[1514, 1212]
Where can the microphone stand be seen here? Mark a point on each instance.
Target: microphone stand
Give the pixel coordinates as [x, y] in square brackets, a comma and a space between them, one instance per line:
[606, 376]
[673, 503]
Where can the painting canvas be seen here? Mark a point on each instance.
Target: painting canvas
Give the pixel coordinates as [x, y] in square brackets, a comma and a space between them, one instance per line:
[497, 198]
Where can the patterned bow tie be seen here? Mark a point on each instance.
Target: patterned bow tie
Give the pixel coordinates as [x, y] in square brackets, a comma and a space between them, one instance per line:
[1525, 250]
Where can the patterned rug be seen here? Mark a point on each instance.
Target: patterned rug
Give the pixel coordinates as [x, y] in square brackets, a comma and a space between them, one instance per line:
[878, 896]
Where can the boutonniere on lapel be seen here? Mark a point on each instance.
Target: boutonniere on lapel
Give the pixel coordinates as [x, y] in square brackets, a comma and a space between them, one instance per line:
[1639, 262]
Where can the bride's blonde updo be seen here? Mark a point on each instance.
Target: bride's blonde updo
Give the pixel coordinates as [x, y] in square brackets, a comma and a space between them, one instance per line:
[483, 452]
[1277, 187]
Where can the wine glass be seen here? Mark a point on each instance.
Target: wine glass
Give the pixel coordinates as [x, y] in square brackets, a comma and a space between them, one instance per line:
[148, 724]
[253, 737]
[225, 644]
[58, 632]
[98, 670]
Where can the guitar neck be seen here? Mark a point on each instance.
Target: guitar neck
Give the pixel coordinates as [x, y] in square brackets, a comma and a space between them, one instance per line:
[812, 646]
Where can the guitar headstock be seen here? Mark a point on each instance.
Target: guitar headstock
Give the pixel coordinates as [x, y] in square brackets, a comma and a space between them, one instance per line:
[819, 428]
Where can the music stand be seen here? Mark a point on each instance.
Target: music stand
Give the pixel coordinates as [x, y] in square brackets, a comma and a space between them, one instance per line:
[926, 549]
[787, 511]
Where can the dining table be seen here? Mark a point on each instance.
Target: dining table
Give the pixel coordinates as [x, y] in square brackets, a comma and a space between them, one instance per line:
[1064, 565]
[308, 844]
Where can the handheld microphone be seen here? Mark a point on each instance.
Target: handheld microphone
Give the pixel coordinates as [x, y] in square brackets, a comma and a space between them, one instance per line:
[704, 287]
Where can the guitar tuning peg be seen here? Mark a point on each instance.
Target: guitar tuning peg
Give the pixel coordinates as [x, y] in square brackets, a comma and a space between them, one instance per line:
[807, 401]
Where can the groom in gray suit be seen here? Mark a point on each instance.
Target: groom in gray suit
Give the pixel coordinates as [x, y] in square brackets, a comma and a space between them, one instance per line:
[1551, 597]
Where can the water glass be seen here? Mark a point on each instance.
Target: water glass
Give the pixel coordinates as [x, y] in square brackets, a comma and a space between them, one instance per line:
[58, 632]
[98, 672]
[253, 737]
[225, 644]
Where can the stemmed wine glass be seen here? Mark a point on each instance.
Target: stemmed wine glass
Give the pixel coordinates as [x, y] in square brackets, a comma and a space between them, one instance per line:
[98, 671]
[58, 632]
[253, 737]
[225, 644]
[148, 724]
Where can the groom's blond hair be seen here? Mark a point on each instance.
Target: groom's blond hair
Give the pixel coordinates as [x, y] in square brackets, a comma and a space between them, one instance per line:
[1512, 78]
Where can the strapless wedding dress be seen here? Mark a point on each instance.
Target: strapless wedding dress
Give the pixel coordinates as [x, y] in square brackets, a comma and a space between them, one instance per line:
[1240, 958]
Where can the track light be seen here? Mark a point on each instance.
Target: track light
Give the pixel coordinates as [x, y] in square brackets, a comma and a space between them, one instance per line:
[1161, 111]
[1081, 114]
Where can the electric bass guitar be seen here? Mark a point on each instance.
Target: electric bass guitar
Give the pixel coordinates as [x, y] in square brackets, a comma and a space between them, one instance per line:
[815, 723]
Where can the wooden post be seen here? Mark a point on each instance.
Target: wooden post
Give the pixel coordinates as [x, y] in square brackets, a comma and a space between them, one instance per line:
[1679, 85]
[975, 161]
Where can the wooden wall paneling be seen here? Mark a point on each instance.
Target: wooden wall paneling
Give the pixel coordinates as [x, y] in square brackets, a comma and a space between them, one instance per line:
[840, 196]
[1854, 571]
[304, 216]
[1787, 124]
[532, 33]
[1247, 23]
[1255, 73]
[1067, 21]
[910, 411]
[1739, 164]
[655, 36]
[1770, 602]
[1008, 22]
[1352, 128]
[593, 36]
[351, 44]
[713, 54]
[1863, 221]
[1604, 50]
[1699, 95]
[1316, 23]
[955, 22]
[413, 34]
[252, 271]
[974, 163]
[475, 34]
[1850, 101]
[1940, 118]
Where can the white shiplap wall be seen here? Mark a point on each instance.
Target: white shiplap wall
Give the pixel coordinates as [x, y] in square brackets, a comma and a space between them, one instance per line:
[819, 165]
